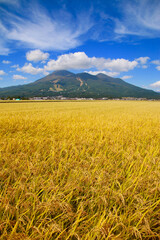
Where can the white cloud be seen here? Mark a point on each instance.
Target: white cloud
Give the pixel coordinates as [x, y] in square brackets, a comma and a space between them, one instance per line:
[1, 78]
[12, 2]
[4, 50]
[15, 66]
[79, 60]
[45, 73]
[62, 30]
[43, 30]
[28, 68]
[6, 62]
[37, 55]
[2, 72]
[140, 18]
[158, 68]
[44, 61]
[156, 62]
[144, 66]
[142, 60]
[111, 74]
[17, 77]
[126, 77]
[155, 84]
[119, 65]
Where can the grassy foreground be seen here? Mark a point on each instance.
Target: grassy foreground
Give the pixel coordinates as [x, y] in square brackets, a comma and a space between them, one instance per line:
[80, 170]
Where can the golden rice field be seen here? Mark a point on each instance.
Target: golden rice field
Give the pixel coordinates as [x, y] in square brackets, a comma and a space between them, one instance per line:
[80, 170]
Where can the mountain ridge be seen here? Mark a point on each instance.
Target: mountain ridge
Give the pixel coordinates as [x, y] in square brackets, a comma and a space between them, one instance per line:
[68, 84]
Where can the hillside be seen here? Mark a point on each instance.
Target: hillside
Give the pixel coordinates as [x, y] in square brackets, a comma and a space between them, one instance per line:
[69, 84]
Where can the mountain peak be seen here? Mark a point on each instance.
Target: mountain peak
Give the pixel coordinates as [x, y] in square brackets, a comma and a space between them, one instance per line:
[102, 75]
[86, 75]
[62, 73]
[67, 84]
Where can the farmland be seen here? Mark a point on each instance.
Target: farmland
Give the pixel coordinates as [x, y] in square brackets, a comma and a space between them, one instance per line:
[80, 170]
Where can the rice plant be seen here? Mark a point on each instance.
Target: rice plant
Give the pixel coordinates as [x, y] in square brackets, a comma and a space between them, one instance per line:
[80, 170]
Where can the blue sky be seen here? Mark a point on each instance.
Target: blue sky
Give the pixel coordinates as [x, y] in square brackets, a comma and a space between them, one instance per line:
[120, 38]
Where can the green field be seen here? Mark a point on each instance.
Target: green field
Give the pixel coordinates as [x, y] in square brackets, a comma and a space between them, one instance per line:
[80, 170]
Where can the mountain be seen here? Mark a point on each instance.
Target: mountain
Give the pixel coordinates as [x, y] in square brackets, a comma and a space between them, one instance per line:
[83, 84]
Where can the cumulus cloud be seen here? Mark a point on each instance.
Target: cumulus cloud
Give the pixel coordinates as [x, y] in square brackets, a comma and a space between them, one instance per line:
[79, 60]
[15, 66]
[156, 62]
[158, 68]
[18, 77]
[155, 84]
[2, 72]
[111, 74]
[28, 68]
[120, 64]
[126, 77]
[142, 60]
[6, 62]
[144, 66]
[37, 55]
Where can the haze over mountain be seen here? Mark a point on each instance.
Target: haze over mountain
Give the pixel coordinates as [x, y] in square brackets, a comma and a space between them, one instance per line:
[68, 84]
